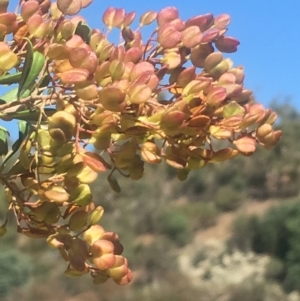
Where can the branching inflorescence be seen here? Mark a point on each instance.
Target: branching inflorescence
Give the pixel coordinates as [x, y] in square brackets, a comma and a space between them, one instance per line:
[173, 97]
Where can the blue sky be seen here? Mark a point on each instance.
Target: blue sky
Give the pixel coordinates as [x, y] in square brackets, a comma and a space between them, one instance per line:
[269, 32]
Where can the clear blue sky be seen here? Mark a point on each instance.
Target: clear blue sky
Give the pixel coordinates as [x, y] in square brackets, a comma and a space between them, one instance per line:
[269, 32]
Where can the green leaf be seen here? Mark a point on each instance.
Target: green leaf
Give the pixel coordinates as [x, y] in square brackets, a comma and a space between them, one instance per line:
[10, 79]
[9, 96]
[84, 32]
[114, 184]
[233, 109]
[3, 141]
[4, 130]
[19, 169]
[33, 65]
[26, 68]
[23, 133]
[12, 95]
[31, 115]
[45, 81]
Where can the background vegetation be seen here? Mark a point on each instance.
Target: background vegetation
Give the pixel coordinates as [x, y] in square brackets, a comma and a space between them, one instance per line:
[159, 218]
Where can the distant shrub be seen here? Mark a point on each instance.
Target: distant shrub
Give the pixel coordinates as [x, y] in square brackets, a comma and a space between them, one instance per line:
[292, 279]
[256, 181]
[198, 257]
[253, 289]
[14, 271]
[243, 232]
[277, 233]
[194, 185]
[229, 172]
[249, 290]
[227, 198]
[155, 257]
[175, 225]
[200, 214]
[275, 269]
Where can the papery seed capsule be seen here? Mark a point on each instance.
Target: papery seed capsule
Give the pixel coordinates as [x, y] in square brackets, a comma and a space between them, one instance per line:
[58, 240]
[101, 247]
[96, 215]
[57, 193]
[136, 168]
[150, 153]
[128, 149]
[125, 280]
[67, 29]
[47, 158]
[61, 126]
[100, 278]
[114, 238]
[28, 9]
[24, 154]
[47, 211]
[94, 233]
[94, 161]
[182, 174]
[118, 272]
[264, 130]
[78, 220]
[70, 272]
[66, 148]
[30, 183]
[196, 163]
[3, 6]
[81, 195]
[105, 261]
[75, 169]
[220, 68]
[86, 91]
[213, 60]
[102, 141]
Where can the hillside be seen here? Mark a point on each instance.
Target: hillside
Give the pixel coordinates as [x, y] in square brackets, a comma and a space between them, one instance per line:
[192, 240]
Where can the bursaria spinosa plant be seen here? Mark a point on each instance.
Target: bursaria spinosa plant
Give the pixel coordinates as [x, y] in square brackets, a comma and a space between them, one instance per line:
[87, 106]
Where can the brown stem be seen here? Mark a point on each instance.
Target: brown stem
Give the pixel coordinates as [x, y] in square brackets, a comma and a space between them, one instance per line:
[32, 98]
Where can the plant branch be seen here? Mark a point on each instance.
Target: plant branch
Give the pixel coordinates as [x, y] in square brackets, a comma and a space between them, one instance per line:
[33, 98]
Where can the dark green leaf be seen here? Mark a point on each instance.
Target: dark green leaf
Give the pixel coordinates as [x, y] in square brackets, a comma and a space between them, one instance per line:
[84, 32]
[10, 79]
[45, 81]
[26, 68]
[31, 115]
[19, 169]
[12, 95]
[113, 182]
[3, 141]
[34, 63]
[23, 133]
[4, 130]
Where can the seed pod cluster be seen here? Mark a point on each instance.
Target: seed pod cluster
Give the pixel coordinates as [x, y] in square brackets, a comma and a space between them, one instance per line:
[92, 107]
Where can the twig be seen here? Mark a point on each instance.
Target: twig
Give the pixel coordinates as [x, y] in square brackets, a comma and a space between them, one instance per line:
[33, 98]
